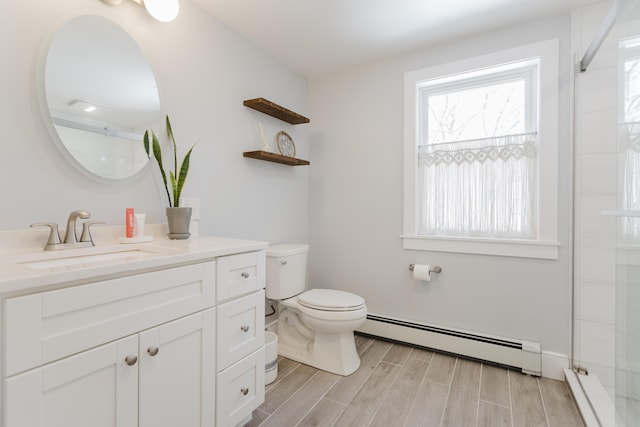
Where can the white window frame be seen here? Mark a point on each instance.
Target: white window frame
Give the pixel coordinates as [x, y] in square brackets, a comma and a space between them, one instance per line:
[546, 244]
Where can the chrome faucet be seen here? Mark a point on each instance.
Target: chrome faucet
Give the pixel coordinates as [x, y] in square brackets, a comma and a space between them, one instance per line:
[70, 235]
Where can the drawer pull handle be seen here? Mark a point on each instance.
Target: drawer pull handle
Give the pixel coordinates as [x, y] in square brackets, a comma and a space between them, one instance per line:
[131, 360]
[283, 262]
[153, 351]
[245, 274]
[244, 391]
[245, 328]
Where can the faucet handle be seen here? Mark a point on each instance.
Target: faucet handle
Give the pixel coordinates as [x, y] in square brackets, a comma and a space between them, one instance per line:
[86, 231]
[54, 236]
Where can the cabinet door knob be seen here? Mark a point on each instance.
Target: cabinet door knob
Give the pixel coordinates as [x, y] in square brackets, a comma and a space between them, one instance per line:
[245, 328]
[244, 391]
[131, 360]
[245, 274]
[153, 351]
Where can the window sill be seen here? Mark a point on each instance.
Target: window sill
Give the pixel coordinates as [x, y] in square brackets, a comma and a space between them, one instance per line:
[481, 246]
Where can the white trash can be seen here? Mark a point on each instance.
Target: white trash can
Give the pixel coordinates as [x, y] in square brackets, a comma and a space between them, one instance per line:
[271, 357]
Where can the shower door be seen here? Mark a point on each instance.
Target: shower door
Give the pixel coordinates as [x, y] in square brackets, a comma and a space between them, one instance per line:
[627, 400]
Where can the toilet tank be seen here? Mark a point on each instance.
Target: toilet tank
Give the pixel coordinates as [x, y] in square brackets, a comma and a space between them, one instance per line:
[286, 270]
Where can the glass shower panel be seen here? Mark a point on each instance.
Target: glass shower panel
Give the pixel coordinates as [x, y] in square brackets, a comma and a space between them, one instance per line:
[627, 399]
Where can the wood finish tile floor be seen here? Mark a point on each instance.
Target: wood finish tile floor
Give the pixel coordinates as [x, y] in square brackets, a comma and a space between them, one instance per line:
[399, 385]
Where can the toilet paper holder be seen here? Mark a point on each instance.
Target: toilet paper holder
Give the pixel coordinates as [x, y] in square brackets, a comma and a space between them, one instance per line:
[435, 269]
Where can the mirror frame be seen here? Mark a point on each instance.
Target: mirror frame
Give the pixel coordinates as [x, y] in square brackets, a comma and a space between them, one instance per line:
[44, 106]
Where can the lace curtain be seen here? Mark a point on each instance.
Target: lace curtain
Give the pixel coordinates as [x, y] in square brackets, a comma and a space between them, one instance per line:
[478, 188]
[629, 137]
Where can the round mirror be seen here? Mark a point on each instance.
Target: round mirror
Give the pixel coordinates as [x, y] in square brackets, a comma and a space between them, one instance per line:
[101, 96]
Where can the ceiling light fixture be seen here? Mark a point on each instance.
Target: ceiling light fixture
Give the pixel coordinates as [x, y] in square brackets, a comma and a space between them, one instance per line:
[162, 10]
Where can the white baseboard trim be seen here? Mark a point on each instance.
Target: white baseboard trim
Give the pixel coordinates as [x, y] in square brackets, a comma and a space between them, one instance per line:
[554, 364]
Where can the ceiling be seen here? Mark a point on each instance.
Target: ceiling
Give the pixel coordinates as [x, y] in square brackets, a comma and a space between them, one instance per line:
[316, 37]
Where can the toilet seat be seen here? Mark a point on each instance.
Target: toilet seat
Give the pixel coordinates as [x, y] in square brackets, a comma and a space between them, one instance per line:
[330, 300]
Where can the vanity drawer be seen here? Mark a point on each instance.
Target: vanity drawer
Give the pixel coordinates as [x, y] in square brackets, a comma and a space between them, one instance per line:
[240, 390]
[240, 328]
[240, 274]
[47, 326]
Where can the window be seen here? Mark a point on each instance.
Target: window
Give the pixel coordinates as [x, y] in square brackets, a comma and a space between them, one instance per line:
[477, 152]
[479, 134]
[629, 136]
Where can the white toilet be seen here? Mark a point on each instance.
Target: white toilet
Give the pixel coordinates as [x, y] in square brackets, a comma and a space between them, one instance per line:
[314, 327]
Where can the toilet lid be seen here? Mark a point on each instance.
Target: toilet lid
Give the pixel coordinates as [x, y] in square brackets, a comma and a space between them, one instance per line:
[330, 300]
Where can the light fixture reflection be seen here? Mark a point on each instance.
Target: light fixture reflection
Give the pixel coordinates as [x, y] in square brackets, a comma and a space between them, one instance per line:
[162, 10]
[87, 107]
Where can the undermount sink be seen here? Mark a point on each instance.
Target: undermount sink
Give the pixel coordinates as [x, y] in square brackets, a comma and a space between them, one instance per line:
[72, 259]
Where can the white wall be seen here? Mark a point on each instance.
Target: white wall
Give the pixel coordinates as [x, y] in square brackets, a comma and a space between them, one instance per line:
[356, 188]
[595, 153]
[204, 72]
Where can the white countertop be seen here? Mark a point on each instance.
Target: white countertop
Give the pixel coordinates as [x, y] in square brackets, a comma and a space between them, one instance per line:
[18, 276]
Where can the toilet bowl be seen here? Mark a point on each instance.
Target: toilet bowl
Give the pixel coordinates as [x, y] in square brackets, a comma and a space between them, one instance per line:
[315, 327]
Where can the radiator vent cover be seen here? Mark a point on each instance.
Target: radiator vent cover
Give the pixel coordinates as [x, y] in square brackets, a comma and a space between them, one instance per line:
[524, 355]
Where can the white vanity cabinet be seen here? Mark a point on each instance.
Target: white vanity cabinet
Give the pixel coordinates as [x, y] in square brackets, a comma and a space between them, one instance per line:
[132, 351]
[94, 388]
[240, 361]
[161, 377]
[173, 340]
[177, 374]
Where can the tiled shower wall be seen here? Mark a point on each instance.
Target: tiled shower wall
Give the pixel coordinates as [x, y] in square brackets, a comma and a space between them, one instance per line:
[595, 191]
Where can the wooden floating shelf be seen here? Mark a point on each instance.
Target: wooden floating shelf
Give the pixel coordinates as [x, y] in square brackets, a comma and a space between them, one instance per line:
[275, 110]
[276, 158]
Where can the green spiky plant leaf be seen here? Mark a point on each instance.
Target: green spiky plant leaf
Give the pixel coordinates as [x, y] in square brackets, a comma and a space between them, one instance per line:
[177, 177]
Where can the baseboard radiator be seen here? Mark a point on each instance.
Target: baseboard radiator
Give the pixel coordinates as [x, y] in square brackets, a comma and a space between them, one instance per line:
[524, 355]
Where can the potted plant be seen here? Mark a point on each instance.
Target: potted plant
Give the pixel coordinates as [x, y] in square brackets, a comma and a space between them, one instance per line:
[178, 218]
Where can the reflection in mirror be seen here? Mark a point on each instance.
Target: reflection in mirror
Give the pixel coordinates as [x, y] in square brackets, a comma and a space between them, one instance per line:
[101, 95]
